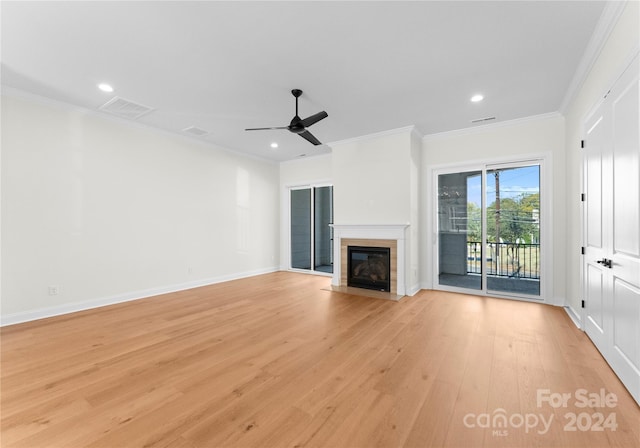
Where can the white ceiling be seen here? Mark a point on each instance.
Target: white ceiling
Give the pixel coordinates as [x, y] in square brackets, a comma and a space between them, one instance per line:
[373, 66]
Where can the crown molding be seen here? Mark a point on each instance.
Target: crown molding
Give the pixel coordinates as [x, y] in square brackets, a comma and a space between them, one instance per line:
[488, 127]
[309, 157]
[608, 20]
[407, 129]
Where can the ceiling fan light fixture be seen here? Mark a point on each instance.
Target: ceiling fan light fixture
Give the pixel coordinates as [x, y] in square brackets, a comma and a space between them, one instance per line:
[274, 145]
[477, 98]
[108, 88]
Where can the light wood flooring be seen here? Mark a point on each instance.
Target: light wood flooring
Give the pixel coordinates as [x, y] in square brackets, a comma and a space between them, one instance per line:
[279, 361]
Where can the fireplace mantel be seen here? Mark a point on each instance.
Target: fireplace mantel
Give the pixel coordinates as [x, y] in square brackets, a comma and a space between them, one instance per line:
[396, 232]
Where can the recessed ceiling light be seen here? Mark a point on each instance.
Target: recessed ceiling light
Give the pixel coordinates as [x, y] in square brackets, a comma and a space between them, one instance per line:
[274, 145]
[105, 87]
[477, 98]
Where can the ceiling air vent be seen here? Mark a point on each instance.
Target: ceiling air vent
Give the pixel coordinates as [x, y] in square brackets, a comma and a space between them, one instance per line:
[196, 131]
[482, 120]
[125, 108]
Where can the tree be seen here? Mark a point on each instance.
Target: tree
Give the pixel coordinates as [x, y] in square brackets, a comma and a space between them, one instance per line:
[474, 222]
[517, 219]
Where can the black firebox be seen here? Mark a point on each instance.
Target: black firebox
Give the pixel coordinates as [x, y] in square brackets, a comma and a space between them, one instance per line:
[369, 267]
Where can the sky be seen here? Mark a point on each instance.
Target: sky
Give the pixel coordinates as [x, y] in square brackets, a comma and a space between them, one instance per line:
[513, 183]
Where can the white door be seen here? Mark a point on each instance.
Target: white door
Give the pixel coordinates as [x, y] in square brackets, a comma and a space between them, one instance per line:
[612, 228]
[595, 208]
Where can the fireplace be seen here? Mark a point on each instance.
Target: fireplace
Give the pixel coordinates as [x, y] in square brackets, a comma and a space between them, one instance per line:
[369, 267]
[367, 236]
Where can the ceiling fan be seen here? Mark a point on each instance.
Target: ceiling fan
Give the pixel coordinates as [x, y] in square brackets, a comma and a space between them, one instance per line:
[298, 125]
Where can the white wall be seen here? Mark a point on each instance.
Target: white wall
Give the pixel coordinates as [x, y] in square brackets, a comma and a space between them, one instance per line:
[306, 170]
[110, 211]
[622, 44]
[371, 178]
[518, 139]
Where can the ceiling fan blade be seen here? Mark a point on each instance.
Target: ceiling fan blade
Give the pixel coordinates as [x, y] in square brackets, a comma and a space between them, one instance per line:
[265, 129]
[314, 119]
[310, 138]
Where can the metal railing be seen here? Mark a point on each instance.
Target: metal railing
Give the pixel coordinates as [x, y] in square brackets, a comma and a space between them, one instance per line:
[517, 260]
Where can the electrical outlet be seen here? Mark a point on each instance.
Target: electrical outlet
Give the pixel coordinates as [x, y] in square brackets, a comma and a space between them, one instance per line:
[54, 290]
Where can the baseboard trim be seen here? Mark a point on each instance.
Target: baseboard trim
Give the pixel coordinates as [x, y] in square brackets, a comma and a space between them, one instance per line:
[43, 313]
[575, 317]
[426, 285]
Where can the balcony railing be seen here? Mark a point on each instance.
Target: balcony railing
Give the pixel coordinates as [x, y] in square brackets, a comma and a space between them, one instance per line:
[505, 259]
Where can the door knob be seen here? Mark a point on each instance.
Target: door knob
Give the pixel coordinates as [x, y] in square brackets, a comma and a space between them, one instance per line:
[606, 262]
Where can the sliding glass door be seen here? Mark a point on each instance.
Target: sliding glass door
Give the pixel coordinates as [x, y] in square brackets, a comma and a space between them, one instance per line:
[301, 229]
[513, 230]
[489, 229]
[460, 229]
[322, 231]
[311, 240]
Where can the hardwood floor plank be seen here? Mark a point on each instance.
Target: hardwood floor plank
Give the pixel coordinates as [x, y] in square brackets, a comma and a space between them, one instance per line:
[432, 424]
[473, 394]
[278, 360]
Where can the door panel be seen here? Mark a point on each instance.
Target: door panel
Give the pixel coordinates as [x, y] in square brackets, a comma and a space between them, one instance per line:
[626, 166]
[594, 193]
[593, 297]
[626, 332]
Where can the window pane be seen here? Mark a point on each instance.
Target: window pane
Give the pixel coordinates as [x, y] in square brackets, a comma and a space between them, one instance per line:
[323, 233]
[460, 229]
[301, 229]
[513, 230]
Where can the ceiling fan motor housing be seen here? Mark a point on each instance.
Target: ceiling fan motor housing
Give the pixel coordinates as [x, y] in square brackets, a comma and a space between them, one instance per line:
[296, 125]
